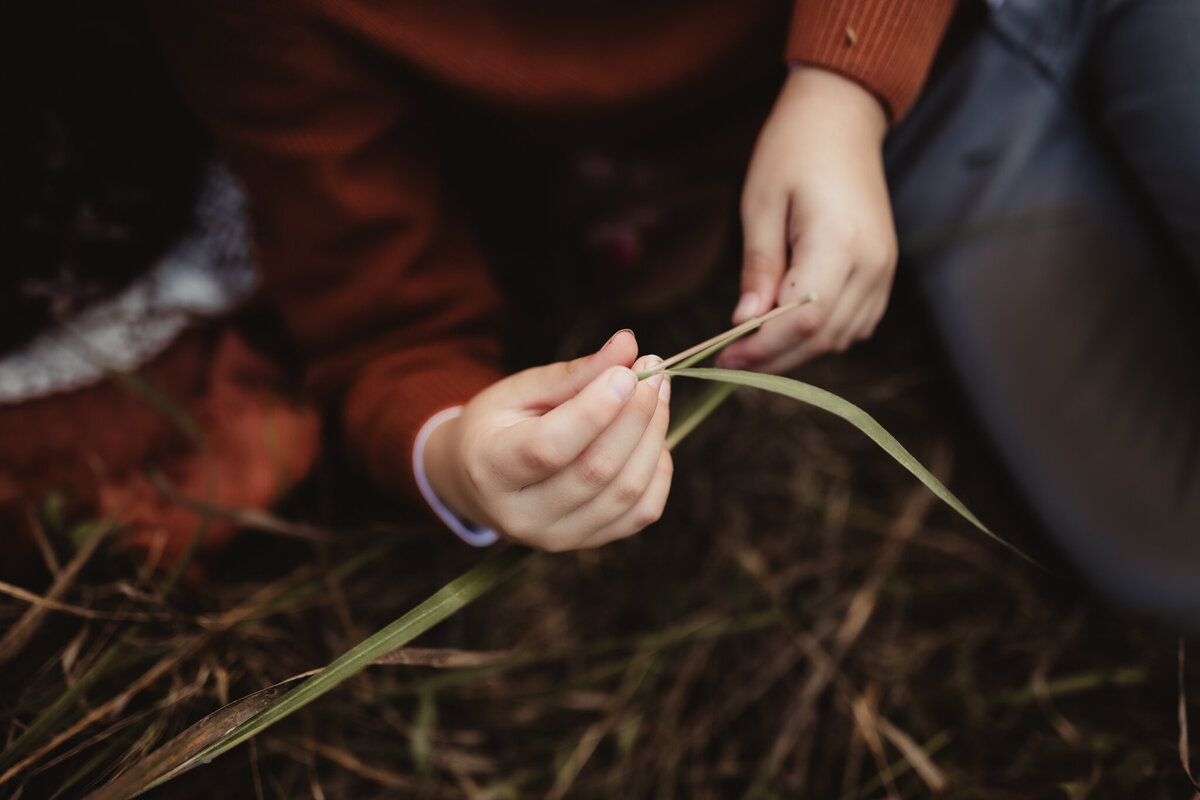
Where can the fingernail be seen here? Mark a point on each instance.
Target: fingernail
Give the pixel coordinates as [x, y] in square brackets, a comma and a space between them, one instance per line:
[746, 308]
[734, 362]
[664, 391]
[613, 338]
[621, 384]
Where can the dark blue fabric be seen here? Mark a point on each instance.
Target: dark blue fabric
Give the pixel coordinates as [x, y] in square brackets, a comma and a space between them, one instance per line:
[1047, 196]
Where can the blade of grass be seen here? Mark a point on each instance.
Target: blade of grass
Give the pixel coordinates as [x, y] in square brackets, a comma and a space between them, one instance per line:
[158, 768]
[15, 639]
[807, 393]
[697, 412]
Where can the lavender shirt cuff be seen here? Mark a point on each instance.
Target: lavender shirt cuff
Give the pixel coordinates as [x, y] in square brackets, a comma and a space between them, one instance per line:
[476, 537]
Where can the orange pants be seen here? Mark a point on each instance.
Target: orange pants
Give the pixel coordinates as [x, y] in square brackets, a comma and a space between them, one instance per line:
[227, 434]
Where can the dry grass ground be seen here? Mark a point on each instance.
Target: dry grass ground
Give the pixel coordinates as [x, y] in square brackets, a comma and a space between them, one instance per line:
[806, 621]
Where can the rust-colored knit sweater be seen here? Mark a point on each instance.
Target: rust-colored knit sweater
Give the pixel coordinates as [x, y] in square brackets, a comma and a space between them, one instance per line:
[326, 109]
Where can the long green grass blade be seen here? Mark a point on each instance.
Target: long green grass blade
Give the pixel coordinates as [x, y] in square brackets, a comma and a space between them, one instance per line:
[807, 393]
[448, 600]
[697, 412]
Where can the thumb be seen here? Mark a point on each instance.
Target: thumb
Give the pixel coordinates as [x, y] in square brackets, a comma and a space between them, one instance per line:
[553, 384]
[764, 232]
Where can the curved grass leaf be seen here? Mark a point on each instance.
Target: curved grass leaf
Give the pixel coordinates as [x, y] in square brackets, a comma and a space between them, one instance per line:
[165, 765]
[807, 393]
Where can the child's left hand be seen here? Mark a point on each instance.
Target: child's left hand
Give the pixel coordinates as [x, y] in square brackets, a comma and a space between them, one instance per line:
[815, 218]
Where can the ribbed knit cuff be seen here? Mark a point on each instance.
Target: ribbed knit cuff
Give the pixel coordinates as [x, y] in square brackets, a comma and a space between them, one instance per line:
[885, 45]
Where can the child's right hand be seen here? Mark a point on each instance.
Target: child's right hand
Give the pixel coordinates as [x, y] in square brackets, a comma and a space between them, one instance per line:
[560, 457]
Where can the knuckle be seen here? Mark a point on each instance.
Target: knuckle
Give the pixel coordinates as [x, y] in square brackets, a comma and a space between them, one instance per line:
[647, 399]
[594, 418]
[647, 516]
[627, 492]
[809, 322]
[845, 236]
[597, 470]
[575, 366]
[542, 455]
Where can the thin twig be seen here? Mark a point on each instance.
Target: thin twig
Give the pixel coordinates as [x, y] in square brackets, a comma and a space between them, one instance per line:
[864, 720]
[913, 753]
[24, 628]
[39, 533]
[722, 339]
[639, 665]
[38, 600]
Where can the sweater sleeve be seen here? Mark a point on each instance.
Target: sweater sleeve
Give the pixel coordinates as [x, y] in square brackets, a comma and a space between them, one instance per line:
[887, 46]
[374, 275]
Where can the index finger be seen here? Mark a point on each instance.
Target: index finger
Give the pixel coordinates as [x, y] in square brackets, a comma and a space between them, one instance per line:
[538, 447]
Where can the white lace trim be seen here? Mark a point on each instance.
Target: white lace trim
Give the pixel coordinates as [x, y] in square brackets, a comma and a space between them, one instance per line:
[205, 274]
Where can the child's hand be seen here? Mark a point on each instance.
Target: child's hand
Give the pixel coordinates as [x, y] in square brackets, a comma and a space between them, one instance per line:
[815, 218]
[560, 457]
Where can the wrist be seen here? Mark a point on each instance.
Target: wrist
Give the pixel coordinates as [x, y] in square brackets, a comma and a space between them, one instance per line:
[435, 466]
[837, 99]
